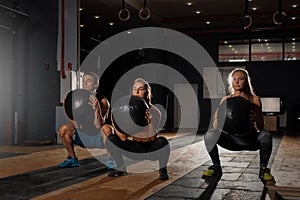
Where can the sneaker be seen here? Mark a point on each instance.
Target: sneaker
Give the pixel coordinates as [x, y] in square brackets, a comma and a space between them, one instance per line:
[69, 162]
[110, 163]
[213, 171]
[265, 174]
[115, 173]
[163, 174]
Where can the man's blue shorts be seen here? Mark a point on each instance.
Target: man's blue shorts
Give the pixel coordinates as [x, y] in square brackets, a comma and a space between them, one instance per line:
[84, 140]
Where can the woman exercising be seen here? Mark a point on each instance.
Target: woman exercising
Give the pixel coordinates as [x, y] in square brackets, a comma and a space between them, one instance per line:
[143, 142]
[256, 138]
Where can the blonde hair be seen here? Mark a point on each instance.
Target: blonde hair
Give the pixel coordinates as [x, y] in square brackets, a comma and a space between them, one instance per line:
[148, 89]
[248, 89]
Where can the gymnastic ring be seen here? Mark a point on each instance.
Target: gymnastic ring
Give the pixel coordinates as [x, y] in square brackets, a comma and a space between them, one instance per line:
[250, 21]
[127, 13]
[147, 11]
[281, 14]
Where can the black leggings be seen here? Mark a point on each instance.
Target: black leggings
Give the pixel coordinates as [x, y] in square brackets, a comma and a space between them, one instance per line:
[261, 141]
[158, 149]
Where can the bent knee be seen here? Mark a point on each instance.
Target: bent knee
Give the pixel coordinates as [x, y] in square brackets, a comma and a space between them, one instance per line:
[212, 135]
[265, 136]
[65, 129]
[107, 129]
[162, 140]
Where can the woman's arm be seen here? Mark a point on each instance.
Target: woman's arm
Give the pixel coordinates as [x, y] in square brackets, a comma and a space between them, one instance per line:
[257, 115]
[121, 135]
[215, 123]
[105, 106]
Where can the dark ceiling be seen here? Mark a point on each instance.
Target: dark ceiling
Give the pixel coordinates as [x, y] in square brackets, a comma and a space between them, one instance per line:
[213, 16]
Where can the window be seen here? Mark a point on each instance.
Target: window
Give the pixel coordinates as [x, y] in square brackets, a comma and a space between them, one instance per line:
[260, 49]
[266, 50]
[292, 49]
[234, 51]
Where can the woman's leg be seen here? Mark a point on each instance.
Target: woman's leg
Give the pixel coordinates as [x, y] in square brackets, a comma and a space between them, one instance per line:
[211, 139]
[266, 144]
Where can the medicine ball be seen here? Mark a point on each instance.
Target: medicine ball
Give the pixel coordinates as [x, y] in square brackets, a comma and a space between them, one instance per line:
[233, 114]
[128, 114]
[76, 104]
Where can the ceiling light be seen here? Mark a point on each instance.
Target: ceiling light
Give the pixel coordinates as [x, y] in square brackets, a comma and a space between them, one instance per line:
[198, 12]
[208, 22]
[295, 6]
[254, 8]
[97, 17]
[111, 23]
[293, 18]
[129, 32]
[189, 3]
[80, 9]
[82, 25]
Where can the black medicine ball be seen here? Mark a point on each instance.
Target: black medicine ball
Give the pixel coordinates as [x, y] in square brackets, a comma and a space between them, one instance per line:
[234, 113]
[76, 104]
[128, 114]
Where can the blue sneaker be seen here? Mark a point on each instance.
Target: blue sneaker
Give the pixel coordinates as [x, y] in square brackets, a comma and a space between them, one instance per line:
[69, 162]
[110, 163]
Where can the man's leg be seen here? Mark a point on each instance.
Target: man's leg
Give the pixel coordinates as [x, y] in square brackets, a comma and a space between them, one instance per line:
[66, 132]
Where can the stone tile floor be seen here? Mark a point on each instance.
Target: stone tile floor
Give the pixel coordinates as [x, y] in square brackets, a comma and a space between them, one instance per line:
[239, 181]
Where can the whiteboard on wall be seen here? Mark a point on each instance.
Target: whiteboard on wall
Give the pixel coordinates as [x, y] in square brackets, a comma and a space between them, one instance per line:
[215, 81]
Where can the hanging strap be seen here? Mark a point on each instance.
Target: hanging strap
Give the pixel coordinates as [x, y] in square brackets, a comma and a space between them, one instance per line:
[246, 20]
[124, 11]
[145, 12]
[279, 16]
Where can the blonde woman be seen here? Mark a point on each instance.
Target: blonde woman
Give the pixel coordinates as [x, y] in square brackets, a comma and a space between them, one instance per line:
[256, 139]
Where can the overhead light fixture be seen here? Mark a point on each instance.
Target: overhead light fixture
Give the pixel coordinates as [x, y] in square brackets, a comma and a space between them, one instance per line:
[254, 8]
[97, 17]
[111, 23]
[237, 60]
[82, 25]
[208, 22]
[189, 3]
[295, 6]
[198, 12]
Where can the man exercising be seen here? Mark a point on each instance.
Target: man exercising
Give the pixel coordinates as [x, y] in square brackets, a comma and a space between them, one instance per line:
[69, 132]
[256, 139]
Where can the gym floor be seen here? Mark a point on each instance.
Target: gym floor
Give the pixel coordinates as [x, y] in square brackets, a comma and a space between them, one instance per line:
[31, 172]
